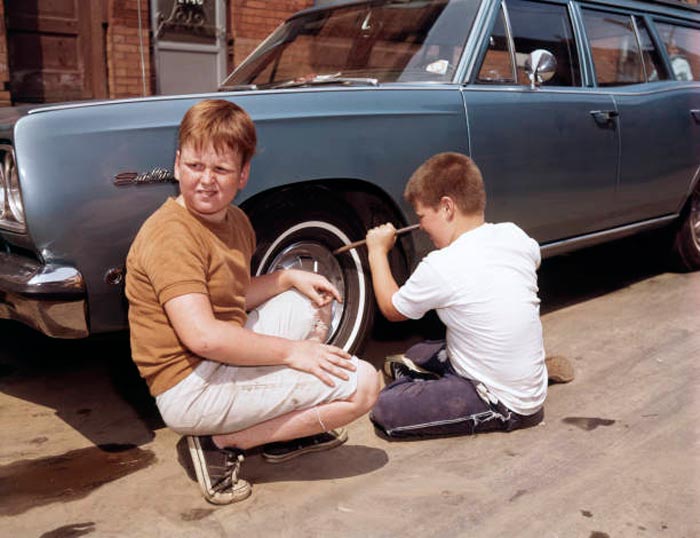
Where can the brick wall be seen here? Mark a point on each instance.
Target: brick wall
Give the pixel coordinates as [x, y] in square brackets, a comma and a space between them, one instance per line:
[4, 69]
[253, 20]
[123, 53]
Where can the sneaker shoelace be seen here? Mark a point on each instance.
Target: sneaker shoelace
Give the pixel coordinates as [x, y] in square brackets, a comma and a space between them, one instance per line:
[232, 465]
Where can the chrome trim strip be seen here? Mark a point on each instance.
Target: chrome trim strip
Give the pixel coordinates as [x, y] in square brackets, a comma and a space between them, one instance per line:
[218, 94]
[559, 247]
[586, 67]
[579, 91]
[511, 44]
[635, 29]
[477, 33]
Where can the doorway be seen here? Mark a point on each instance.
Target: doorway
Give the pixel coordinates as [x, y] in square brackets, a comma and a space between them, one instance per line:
[56, 50]
[189, 45]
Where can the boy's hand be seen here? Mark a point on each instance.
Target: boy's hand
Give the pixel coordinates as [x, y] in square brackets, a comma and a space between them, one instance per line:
[321, 360]
[381, 239]
[316, 287]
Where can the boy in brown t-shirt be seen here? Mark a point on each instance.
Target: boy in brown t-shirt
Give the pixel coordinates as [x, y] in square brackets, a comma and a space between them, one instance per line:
[227, 380]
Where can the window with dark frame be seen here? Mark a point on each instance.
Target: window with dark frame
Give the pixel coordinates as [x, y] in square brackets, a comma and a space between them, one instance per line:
[653, 64]
[622, 49]
[497, 67]
[534, 25]
[683, 47]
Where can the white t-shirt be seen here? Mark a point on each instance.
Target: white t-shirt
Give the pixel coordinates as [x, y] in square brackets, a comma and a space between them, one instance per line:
[484, 289]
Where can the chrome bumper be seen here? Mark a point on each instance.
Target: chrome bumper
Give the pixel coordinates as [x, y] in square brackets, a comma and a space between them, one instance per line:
[50, 298]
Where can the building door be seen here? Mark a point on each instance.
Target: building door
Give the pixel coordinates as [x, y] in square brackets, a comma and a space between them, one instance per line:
[189, 45]
[55, 50]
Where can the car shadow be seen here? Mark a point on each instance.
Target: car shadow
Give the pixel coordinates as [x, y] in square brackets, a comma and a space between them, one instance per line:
[91, 384]
[585, 274]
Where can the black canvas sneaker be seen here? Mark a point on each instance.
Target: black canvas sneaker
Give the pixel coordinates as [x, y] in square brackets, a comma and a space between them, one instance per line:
[286, 450]
[399, 366]
[217, 470]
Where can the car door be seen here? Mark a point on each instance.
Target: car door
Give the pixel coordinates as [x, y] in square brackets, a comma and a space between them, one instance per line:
[658, 154]
[548, 154]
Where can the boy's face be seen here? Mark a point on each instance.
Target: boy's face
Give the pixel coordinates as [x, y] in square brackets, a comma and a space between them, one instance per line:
[434, 222]
[209, 180]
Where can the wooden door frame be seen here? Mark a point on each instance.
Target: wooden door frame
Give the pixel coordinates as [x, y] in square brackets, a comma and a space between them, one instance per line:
[94, 47]
[90, 30]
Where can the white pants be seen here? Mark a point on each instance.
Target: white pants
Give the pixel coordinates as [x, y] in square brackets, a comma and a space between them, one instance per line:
[219, 398]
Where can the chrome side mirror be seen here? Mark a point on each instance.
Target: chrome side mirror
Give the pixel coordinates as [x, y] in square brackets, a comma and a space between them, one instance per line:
[540, 67]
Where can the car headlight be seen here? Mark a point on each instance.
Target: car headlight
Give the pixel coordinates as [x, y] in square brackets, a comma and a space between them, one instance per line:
[11, 206]
[3, 192]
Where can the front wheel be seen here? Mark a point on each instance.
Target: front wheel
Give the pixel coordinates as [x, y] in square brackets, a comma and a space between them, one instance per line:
[686, 245]
[305, 239]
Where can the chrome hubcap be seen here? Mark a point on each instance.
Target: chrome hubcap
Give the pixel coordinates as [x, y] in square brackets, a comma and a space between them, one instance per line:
[315, 258]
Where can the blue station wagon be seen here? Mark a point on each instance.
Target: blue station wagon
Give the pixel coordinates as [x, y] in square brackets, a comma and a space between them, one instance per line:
[584, 117]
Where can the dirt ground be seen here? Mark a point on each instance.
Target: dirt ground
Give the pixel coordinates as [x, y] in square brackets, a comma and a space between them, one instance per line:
[85, 453]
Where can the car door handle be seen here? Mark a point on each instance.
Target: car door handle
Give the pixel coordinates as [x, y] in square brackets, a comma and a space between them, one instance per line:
[604, 116]
[695, 113]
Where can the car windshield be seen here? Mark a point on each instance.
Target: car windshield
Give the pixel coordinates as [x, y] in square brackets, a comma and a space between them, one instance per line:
[363, 43]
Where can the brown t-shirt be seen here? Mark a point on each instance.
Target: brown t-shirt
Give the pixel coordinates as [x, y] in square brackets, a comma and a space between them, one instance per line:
[176, 253]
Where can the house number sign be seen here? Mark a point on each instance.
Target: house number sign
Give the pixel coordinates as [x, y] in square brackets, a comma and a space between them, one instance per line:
[186, 20]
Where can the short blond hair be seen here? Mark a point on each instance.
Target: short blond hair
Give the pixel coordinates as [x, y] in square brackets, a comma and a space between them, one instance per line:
[448, 174]
[220, 123]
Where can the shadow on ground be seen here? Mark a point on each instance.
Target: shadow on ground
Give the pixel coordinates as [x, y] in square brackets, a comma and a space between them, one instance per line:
[73, 475]
[93, 386]
[357, 460]
[589, 273]
[108, 402]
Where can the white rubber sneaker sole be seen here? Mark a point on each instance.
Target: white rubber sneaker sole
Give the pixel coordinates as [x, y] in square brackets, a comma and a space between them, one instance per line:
[239, 491]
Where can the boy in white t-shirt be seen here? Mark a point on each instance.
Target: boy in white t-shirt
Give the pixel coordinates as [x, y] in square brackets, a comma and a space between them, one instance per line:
[490, 372]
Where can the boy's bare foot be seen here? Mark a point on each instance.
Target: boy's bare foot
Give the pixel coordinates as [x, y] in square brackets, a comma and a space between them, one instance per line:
[559, 369]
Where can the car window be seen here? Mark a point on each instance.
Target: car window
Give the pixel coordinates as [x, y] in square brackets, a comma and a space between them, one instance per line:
[497, 67]
[537, 25]
[683, 47]
[653, 64]
[616, 52]
[411, 40]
